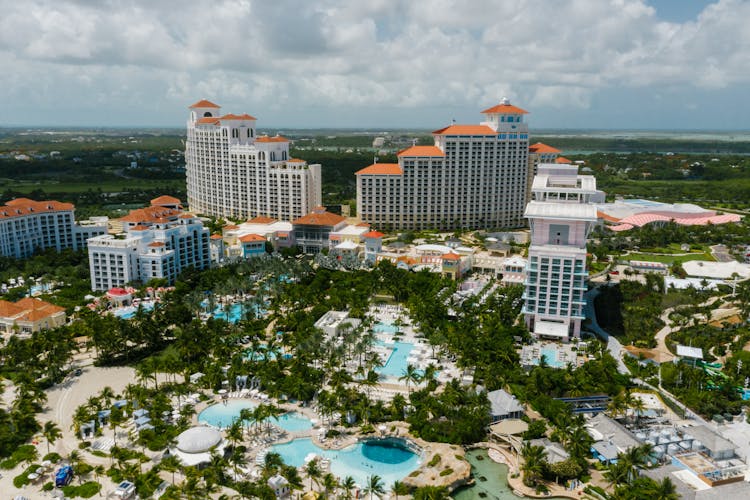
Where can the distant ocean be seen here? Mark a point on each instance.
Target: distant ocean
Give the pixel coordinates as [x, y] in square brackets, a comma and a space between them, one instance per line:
[678, 135]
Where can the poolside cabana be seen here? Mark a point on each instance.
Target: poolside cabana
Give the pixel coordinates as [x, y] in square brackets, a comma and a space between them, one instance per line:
[195, 445]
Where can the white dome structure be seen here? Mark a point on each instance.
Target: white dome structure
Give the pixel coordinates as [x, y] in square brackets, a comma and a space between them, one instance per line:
[195, 445]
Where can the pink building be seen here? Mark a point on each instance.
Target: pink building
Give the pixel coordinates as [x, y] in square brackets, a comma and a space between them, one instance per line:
[561, 217]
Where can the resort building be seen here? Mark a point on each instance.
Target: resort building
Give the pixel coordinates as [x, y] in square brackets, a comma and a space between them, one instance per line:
[156, 242]
[539, 153]
[474, 176]
[504, 405]
[312, 232]
[27, 226]
[30, 315]
[561, 218]
[233, 172]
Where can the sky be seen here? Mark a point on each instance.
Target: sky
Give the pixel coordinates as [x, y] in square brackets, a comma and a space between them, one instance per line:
[592, 64]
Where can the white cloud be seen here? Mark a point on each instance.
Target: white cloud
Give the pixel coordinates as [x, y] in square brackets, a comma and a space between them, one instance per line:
[338, 53]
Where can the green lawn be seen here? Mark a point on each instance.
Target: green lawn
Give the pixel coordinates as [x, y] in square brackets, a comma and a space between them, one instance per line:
[669, 259]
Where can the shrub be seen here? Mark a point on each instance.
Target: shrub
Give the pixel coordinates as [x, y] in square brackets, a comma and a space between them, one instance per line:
[52, 457]
[86, 490]
[21, 454]
[48, 486]
[434, 460]
[446, 472]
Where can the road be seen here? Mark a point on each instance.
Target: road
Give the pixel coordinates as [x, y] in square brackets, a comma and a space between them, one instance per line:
[721, 253]
[613, 345]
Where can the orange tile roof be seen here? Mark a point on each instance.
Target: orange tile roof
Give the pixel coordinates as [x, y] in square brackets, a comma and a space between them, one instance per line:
[166, 200]
[295, 160]
[28, 309]
[157, 244]
[25, 206]
[562, 159]
[208, 120]
[319, 219]
[465, 130]
[607, 217]
[243, 116]
[139, 228]
[540, 147]
[231, 227]
[451, 256]
[151, 215]
[363, 224]
[203, 103]
[506, 109]
[265, 138]
[381, 169]
[373, 234]
[421, 151]
[251, 237]
[187, 216]
[262, 219]
[216, 236]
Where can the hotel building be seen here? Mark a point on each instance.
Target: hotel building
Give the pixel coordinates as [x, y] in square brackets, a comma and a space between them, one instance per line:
[233, 172]
[27, 226]
[474, 176]
[159, 241]
[561, 217]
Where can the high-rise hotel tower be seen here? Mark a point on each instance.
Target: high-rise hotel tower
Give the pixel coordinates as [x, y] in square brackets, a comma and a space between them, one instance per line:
[561, 217]
[233, 172]
[473, 177]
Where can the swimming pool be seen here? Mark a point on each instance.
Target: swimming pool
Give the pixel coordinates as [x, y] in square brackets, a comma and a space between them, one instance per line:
[388, 458]
[397, 361]
[384, 328]
[223, 415]
[129, 311]
[550, 355]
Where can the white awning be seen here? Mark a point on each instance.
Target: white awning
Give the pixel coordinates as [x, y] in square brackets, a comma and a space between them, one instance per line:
[550, 328]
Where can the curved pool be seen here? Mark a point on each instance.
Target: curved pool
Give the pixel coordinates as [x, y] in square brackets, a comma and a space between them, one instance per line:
[388, 458]
[222, 415]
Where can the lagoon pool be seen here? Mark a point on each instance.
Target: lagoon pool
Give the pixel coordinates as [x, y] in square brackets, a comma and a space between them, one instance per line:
[388, 458]
[384, 328]
[397, 361]
[223, 415]
[129, 311]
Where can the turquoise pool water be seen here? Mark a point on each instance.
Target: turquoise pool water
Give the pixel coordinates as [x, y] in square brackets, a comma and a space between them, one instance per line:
[550, 355]
[129, 312]
[223, 415]
[261, 354]
[397, 361]
[384, 328]
[388, 459]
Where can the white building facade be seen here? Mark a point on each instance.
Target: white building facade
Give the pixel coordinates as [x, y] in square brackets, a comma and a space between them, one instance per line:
[157, 243]
[232, 172]
[561, 217]
[473, 177]
[27, 226]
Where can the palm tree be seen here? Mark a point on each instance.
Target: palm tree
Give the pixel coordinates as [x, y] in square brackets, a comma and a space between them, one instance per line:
[348, 484]
[617, 474]
[313, 471]
[374, 486]
[664, 490]
[51, 433]
[534, 458]
[171, 464]
[410, 375]
[330, 484]
[399, 488]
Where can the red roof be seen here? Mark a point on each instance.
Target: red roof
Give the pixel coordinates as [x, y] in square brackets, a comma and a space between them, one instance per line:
[203, 103]
[244, 116]
[421, 151]
[465, 130]
[25, 206]
[319, 219]
[28, 309]
[152, 214]
[231, 227]
[261, 219]
[562, 159]
[451, 256]
[381, 169]
[157, 244]
[251, 237]
[139, 227]
[265, 138]
[216, 236]
[187, 216]
[208, 120]
[505, 109]
[165, 200]
[540, 147]
[373, 234]
[116, 291]
[295, 160]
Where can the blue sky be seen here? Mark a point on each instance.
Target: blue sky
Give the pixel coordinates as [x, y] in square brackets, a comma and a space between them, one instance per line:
[612, 64]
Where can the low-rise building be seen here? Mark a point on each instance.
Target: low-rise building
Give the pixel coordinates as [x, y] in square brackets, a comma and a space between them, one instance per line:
[30, 315]
[312, 231]
[504, 405]
[333, 323]
[610, 438]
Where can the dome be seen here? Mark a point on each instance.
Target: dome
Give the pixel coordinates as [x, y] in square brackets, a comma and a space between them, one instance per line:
[198, 439]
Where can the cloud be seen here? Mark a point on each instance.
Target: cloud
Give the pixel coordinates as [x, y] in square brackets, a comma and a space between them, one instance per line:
[410, 54]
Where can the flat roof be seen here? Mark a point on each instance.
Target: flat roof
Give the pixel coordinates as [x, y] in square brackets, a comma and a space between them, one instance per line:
[689, 352]
[550, 328]
[555, 210]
